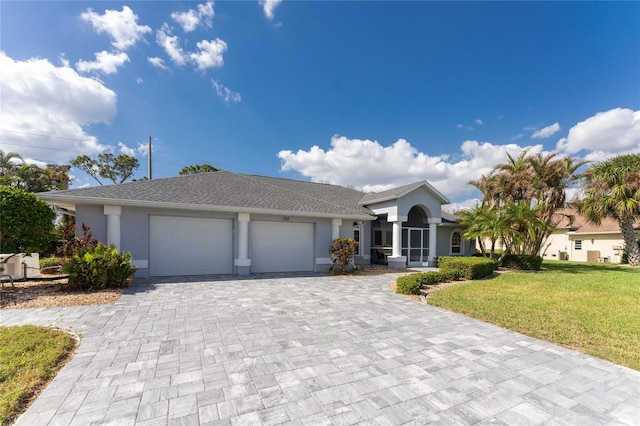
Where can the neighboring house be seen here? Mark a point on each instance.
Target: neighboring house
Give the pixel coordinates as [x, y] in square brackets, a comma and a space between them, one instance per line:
[227, 223]
[577, 239]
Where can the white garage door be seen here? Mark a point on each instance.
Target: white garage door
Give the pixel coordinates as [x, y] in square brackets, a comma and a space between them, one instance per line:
[190, 246]
[281, 246]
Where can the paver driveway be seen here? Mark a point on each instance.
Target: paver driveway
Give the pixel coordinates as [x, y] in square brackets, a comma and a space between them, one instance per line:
[312, 350]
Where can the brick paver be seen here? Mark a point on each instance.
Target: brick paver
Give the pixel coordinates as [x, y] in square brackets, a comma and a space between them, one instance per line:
[278, 349]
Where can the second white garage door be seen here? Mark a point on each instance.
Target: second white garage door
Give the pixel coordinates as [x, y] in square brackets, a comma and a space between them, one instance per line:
[281, 246]
[190, 246]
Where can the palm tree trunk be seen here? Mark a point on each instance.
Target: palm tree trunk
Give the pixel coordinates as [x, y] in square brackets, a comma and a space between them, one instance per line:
[630, 241]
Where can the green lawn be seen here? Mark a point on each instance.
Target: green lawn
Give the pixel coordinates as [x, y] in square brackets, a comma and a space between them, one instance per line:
[593, 308]
[30, 357]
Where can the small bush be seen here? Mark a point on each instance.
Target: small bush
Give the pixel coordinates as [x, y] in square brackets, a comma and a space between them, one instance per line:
[409, 284]
[523, 262]
[98, 268]
[470, 268]
[342, 252]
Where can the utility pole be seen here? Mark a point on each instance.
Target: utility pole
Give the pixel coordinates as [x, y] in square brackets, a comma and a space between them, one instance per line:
[149, 144]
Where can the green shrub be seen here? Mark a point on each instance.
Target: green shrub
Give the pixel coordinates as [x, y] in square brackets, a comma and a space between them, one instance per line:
[98, 268]
[449, 275]
[409, 284]
[523, 262]
[50, 262]
[470, 268]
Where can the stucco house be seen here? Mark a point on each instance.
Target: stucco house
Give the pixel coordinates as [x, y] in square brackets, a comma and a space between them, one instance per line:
[229, 223]
[575, 238]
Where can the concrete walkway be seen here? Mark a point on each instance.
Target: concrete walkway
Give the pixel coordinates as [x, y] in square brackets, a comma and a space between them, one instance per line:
[312, 350]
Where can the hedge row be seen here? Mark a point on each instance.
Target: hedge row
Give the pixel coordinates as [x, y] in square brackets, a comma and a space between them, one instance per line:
[410, 284]
[523, 262]
[451, 269]
[470, 268]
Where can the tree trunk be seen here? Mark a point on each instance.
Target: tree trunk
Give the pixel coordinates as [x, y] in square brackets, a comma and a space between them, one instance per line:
[630, 241]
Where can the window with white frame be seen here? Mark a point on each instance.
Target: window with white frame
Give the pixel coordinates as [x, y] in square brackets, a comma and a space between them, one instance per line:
[577, 244]
[456, 242]
[357, 232]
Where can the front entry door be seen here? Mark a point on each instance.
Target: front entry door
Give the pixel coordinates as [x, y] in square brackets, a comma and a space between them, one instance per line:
[415, 245]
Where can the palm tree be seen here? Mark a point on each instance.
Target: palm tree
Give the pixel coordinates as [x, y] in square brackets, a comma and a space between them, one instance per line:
[612, 189]
[8, 166]
[538, 182]
[483, 222]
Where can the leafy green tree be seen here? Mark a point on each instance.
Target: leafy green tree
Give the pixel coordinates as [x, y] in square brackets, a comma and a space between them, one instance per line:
[198, 168]
[612, 189]
[26, 222]
[117, 169]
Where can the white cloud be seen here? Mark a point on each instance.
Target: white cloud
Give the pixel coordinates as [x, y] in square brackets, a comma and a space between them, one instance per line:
[171, 45]
[368, 165]
[45, 109]
[225, 93]
[209, 54]
[190, 19]
[139, 80]
[269, 7]
[106, 62]
[546, 132]
[478, 122]
[141, 149]
[157, 62]
[463, 205]
[464, 126]
[121, 26]
[616, 131]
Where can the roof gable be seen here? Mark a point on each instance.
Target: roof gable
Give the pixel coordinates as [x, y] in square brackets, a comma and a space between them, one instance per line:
[400, 191]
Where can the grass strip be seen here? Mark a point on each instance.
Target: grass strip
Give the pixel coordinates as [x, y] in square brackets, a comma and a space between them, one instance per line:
[30, 357]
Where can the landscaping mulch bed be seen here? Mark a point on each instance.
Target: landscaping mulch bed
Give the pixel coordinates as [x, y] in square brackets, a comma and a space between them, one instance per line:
[51, 292]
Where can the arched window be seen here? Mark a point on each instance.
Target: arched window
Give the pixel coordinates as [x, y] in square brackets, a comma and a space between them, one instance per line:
[456, 242]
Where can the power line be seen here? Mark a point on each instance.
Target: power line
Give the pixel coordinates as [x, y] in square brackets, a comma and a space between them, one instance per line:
[77, 151]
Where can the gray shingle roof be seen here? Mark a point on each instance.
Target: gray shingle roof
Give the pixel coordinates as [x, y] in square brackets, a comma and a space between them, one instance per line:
[225, 189]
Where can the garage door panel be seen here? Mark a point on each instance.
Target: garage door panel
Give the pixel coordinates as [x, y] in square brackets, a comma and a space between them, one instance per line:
[281, 246]
[190, 246]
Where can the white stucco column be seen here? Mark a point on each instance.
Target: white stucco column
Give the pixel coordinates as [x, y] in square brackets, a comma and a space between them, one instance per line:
[396, 241]
[243, 263]
[433, 239]
[396, 260]
[113, 214]
[335, 228]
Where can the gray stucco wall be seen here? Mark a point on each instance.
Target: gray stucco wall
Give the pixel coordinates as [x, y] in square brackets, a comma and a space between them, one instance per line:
[444, 241]
[94, 217]
[134, 230]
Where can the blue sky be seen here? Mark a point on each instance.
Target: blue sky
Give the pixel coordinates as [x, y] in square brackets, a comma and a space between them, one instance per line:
[368, 94]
